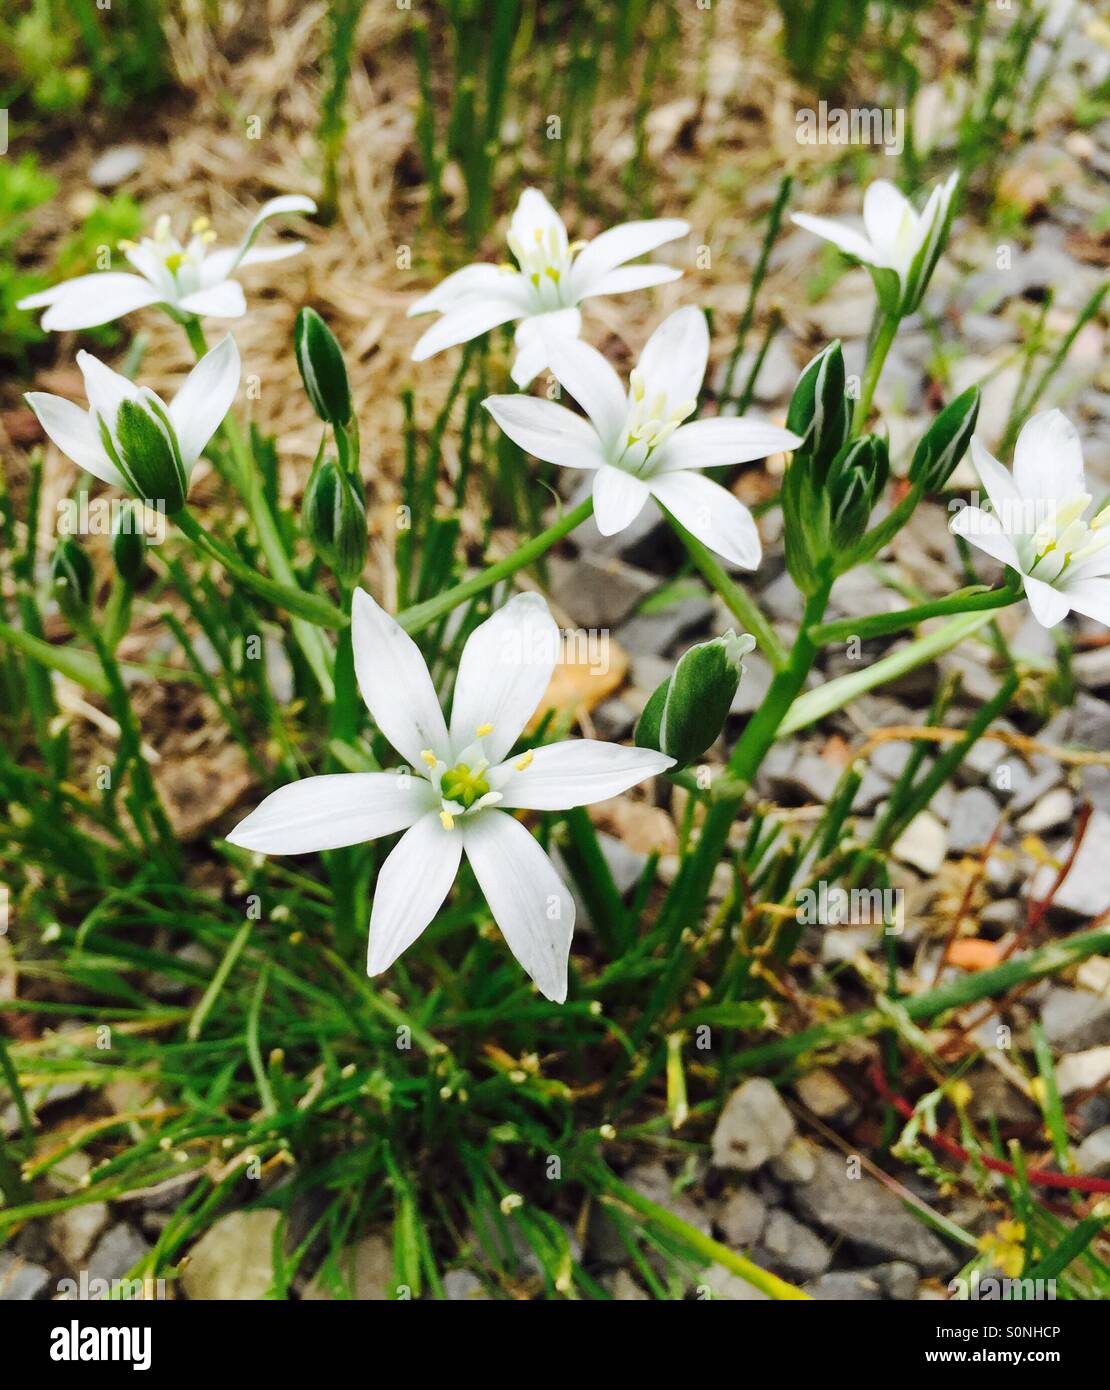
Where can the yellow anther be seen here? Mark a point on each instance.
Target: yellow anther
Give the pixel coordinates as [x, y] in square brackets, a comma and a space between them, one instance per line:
[447, 820]
[535, 278]
[523, 761]
[636, 381]
[175, 261]
[484, 729]
[538, 234]
[552, 272]
[201, 224]
[428, 756]
[208, 238]
[127, 245]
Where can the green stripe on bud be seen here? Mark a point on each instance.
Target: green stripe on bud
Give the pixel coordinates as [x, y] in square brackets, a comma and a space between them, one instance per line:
[71, 573]
[334, 518]
[945, 442]
[128, 544]
[819, 408]
[144, 447]
[322, 368]
[687, 712]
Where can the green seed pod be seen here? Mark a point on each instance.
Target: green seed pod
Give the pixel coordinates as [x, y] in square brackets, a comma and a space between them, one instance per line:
[128, 544]
[945, 442]
[72, 574]
[322, 368]
[146, 451]
[819, 408]
[687, 712]
[334, 518]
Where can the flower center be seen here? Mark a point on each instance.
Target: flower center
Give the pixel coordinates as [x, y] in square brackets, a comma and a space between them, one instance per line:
[464, 784]
[650, 422]
[545, 260]
[1065, 539]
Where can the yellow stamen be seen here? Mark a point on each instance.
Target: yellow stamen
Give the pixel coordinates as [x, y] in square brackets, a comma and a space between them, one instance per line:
[208, 238]
[484, 729]
[428, 756]
[447, 820]
[523, 761]
[201, 224]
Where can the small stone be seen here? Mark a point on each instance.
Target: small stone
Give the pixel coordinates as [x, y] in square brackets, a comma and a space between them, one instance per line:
[722, 1283]
[365, 1274]
[652, 1180]
[822, 1092]
[1075, 1020]
[796, 1163]
[233, 1260]
[871, 1217]
[753, 1127]
[873, 788]
[897, 1280]
[1083, 1071]
[20, 1280]
[923, 844]
[811, 777]
[841, 944]
[845, 1286]
[1086, 889]
[973, 819]
[464, 1286]
[598, 591]
[1090, 722]
[656, 632]
[73, 1232]
[614, 720]
[891, 757]
[754, 684]
[1052, 812]
[1093, 1155]
[794, 1247]
[117, 1253]
[998, 918]
[1092, 669]
[624, 1289]
[742, 1218]
[115, 165]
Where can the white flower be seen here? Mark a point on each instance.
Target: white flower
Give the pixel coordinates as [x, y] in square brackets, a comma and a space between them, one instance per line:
[459, 789]
[109, 439]
[1036, 523]
[637, 445]
[189, 279]
[901, 246]
[553, 278]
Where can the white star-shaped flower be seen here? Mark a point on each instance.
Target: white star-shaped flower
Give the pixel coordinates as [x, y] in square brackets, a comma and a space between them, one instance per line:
[459, 788]
[551, 278]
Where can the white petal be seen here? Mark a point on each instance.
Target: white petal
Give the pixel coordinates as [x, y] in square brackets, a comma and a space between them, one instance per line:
[618, 499]
[984, 531]
[1091, 597]
[850, 242]
[472, 281]
[106, 389]
[535, 335]
[883, 210]
[460, 324]
[620, 244]
[717, 518]
[73, 431]
[342, 808]
[722, 440]
[199, 407]
[91, 300]
[587, 376]
[411, 887]
[630, 277]
[534, 213]
[221, 301]
[286, 204]
[394, 681]
[529, 901]
[506, 666]
[1049, 605]
[529, 361]
[575, 773]
[266, 255]
[1001, 488]
[547, 431]
[1048, 459]
[674, 358]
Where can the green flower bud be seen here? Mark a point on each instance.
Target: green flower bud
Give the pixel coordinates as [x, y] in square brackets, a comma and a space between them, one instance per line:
[72, 574]
[323, 371]
[688, 711]
[945, 442]
[819, 408]
[128, 544]
[856, 480]
[334, 519]
[144, 448]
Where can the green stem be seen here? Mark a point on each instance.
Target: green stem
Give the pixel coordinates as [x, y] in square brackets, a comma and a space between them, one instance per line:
[760, 1279]
[968, 989]
[975, 600]
[309, 638]
[888, 327]
[420, 615]
[743, 608]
